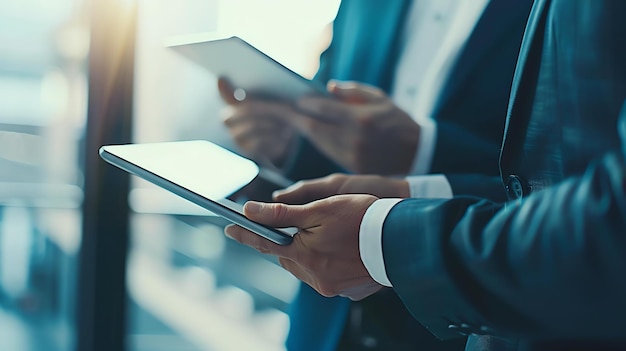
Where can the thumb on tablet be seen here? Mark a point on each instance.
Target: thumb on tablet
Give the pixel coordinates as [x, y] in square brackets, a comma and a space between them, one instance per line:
[277, 215]
[226, 90]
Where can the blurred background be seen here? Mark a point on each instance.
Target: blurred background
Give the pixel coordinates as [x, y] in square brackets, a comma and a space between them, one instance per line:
[67, 221]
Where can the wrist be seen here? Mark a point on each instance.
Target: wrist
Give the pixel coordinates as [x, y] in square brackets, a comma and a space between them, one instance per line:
[402, 188]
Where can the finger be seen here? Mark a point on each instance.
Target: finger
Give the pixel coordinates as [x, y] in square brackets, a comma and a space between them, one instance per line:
[354, 92]
[234, 116]
[255, 241]
[306, 191]
[278, 215]
[338, 111]
[259, 128]
[325, 110]
[226, 90]
[254, 109]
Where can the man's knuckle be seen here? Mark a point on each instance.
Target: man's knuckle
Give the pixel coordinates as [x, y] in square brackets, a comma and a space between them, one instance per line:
[280, 211]
[335, 177]
[326, 289]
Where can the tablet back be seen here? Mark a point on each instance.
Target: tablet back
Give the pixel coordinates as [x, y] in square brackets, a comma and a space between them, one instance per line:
[247, 68]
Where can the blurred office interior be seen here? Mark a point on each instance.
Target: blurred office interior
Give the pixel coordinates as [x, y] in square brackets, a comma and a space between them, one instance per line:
[84, 249]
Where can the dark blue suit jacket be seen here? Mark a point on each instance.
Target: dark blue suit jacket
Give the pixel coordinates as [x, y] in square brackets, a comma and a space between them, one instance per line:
[469, 113]
[544, 271]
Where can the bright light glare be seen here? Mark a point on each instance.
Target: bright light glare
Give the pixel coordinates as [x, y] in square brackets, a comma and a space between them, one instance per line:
[127, 4]
[200, 166]
[21, 147]
[73, 42]
[289, 31]
[54, 92]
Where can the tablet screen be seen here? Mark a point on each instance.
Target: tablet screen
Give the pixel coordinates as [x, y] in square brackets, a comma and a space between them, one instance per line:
[199, 171]
[200, 166]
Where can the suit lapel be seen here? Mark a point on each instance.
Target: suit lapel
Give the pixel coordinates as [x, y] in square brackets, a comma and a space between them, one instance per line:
[383, 41]
[498, 16]
[525, 79]
[365, 44]
[529, 48]
[389, 19]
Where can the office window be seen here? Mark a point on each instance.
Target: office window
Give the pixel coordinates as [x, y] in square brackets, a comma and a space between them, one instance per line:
[188, 285]
[189, 288]
[43, 88]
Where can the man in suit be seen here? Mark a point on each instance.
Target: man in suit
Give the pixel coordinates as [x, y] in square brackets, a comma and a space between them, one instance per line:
[367, 47]
[542, 271]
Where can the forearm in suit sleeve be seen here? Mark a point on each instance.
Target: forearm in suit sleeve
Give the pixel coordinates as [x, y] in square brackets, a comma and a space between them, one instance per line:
[486, 187]
[549, 266]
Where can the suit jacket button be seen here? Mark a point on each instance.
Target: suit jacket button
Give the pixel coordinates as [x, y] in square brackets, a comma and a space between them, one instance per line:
[485, 330]
[515, 187]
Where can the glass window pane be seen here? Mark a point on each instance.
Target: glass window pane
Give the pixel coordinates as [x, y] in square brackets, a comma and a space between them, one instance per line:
[190, 287]
[43, 53]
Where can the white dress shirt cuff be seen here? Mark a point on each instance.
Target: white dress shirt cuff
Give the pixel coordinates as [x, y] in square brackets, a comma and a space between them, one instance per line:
[432, 186]
[370, 239]
[425, 146]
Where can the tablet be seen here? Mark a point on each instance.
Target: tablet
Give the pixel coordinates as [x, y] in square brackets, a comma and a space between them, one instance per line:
[246, 67]
[199, 171]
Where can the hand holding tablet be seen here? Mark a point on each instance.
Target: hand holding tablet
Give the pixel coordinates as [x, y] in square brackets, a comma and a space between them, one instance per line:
[246, 67]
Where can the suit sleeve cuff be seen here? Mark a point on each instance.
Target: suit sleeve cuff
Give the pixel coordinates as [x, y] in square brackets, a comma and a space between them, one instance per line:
[435, 186]
[425, 147]
[370, 239]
